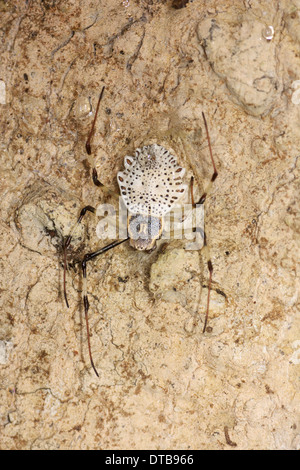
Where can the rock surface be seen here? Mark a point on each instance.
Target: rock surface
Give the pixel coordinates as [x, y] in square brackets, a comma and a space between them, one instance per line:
[163, 384]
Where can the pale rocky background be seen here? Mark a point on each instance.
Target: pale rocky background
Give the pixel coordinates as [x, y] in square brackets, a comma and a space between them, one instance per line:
[163, 384]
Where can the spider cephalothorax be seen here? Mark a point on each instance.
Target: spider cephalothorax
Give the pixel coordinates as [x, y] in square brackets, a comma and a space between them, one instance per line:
[144, 230]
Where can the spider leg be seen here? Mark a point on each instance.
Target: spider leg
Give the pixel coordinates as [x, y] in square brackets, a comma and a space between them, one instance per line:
[88, 257]
[205, 249]
[215, 173]
[96, 181]
[67, 242]
[202, 199]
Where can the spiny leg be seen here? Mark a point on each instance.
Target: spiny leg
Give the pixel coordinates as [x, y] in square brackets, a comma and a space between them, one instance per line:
[196, 229]
[96, 181]
[87, 258]
[215, 173]
[68, 241]
[205, 250]
[88, 142]
[210, 269]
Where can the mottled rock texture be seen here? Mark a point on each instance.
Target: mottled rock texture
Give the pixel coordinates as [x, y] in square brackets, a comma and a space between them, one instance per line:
[163, 384]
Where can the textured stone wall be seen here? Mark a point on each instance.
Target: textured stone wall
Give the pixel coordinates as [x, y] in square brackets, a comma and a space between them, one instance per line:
[163, 384]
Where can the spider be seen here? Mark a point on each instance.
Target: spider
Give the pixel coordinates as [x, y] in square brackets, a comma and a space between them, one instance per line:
[150, 185]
